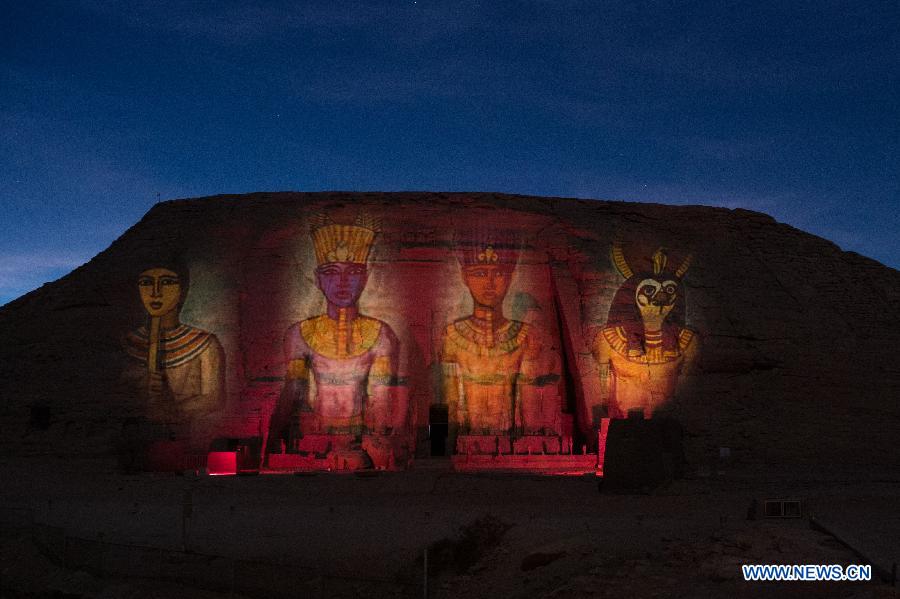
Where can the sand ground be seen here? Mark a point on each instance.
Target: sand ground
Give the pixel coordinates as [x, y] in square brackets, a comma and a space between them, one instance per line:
[487, 535]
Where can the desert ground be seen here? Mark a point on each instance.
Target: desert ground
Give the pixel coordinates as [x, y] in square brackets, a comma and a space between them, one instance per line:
[77, 528]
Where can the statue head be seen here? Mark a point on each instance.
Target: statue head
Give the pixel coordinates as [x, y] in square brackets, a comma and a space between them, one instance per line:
[487, 283]
[342, 282]
[655, 297]
[487, 271]
[162, 286]
[341, 254]
[651, 298]
[160, 290]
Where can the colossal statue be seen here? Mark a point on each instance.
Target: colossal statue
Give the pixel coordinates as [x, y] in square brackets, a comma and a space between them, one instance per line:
[177, 370]
[644, 345]
[488, 361]
[341, 366]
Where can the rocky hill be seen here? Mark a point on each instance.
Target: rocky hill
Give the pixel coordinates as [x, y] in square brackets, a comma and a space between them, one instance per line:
[795, 359]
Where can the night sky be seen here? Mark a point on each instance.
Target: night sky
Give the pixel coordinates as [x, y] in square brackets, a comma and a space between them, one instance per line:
[788, 108]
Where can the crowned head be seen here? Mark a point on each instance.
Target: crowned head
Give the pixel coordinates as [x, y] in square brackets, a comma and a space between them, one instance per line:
[487, 267]
[652, 295]
[342, 253]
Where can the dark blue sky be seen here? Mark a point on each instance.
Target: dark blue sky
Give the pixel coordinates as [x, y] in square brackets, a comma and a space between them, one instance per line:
[789, 108]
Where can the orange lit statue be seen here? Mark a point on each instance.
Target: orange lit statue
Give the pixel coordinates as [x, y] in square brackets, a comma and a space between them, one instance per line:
[644, 345]
[178, 370]
[351, 358]
[487, 359]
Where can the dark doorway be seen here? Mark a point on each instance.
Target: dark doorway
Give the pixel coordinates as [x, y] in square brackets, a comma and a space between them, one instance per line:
[437, 429]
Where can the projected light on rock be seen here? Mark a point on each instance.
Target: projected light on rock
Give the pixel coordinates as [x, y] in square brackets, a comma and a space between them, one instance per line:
[176, 370]
[347, 334]
[489, 361]
[644, 345]
[341, 366]
[577, 337]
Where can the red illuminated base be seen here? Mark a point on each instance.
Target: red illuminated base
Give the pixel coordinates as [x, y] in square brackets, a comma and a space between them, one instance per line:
[337, 453]
[538, 464]
[221, 463]
[526, 445]
[539, 454]
[292, 462]
[172, 456]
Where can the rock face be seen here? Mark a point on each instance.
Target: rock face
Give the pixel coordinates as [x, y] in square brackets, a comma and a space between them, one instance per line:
[754, 335]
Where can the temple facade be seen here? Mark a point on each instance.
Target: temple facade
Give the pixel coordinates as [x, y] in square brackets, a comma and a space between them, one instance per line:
[348, 331]
[350, 335]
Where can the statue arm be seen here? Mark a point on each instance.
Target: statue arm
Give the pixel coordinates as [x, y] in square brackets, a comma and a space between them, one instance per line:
[538, 376]
[212, 382]
[451, 385]
[540, 361]
[602, 352]
[293, 396]
[295, 392]
[690, 354]
[387, 360]
[384, 389]
[157, 395]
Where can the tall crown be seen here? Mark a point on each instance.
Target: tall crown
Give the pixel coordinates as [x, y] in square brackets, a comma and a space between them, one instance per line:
[343, 243]
[487, 248]
[640, 261]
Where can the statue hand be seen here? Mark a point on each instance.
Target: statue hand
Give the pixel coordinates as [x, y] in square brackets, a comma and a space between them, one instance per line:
[156, 384]
[159, 398]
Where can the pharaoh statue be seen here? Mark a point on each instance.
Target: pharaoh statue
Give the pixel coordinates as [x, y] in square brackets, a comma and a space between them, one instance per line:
[489, 362]
[644, 345]
[341, 366]
[177, 370]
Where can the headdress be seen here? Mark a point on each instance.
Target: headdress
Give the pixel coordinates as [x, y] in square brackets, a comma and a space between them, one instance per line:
[487, 249]
[636, 262]
[658, 263]
[343, 243]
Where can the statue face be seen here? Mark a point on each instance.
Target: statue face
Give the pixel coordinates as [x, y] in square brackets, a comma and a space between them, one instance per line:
[160, 290]
[487, 283]
[342, 282]
[655, 299]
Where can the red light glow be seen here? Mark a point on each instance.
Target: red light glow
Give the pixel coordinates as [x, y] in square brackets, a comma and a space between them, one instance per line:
[222, 463]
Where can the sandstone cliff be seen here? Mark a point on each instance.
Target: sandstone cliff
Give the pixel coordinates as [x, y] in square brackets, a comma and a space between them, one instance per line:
[797, 362]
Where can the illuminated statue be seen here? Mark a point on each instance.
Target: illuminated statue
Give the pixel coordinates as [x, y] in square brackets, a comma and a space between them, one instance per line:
[179, 370]
[644, 345]
[350, 358]
[487, 360]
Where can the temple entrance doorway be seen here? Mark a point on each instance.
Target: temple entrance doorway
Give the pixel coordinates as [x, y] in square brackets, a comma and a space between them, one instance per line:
[438, 430]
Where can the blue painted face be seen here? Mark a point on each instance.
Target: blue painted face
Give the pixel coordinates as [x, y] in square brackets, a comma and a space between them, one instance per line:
[342, 282]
